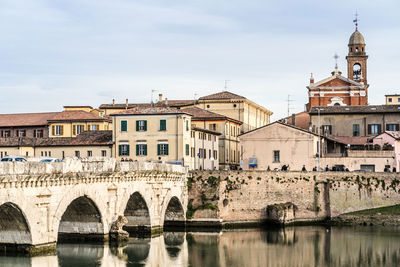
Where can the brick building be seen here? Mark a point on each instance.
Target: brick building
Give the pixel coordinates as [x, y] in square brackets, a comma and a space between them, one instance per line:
[338, 90]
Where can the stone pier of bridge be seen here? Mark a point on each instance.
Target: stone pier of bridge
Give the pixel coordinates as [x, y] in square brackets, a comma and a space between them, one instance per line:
[42, 202]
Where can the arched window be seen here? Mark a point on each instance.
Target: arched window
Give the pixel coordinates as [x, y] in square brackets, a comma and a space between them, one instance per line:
[357, 71]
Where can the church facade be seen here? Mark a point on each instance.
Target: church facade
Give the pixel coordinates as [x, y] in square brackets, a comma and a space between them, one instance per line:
[338, 90]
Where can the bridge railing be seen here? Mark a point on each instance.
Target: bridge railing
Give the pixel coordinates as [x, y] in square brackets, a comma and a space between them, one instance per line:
[92, 165]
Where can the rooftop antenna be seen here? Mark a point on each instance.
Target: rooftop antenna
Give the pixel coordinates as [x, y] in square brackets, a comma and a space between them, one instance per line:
[336, 57]
[226, 84]
[355, 21]
[288, 104]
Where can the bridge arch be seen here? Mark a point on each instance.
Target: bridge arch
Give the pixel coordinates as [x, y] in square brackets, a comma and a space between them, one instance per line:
[14, 226]
[138, 214]
[79, 213]
[173, 214]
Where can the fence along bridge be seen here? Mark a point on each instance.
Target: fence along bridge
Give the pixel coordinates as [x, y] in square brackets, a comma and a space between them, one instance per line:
[42, 202]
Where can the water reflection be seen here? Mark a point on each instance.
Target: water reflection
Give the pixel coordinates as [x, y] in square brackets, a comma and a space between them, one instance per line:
[296, 246]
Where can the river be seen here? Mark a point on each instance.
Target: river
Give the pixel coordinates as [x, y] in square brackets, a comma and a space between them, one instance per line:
[292, 246]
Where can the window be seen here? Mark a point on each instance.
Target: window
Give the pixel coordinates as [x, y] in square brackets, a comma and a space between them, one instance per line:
[49, 153]
[374, 129]
[104, 153]
[392, 127]
[63, 154]
[123, 150]
[208, 106]
[79, 129]
[187, 150]
[141, 125]
[89, 153]
[94, 127]
[192, 152]
[124, 126]
[21, 133]
[213, 127]
[215, 154]
[141, 149]
[187, 125]
[390, 100]
[26, 153]
[41, 153]
[356, 129]
[77, 154]
[7, 133]
[45, 153]
[326, 129]
[162, 149]
[38, 133]
[276, 156]
[398, 99]
[234, 105]
[163, 125]
[209, 153]
[57, 130]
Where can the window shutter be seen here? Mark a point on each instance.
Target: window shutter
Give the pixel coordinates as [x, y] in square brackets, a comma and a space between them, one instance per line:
[369, 128]
[387, 127]
[24, 133]
[61, 130]
[53, 130]
[145, 125]
[379, 128]
[127, 150]
[74, 129]
[163, 125]
[137, 126]
[34, 133]
[120, 150]
[137, 150]
[158, 149]
[145, 149]
[1, 133]
[124, 126]
[166, 149]
[397, 127]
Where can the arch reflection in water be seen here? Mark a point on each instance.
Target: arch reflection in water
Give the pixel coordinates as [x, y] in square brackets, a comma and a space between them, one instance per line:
[173, 243]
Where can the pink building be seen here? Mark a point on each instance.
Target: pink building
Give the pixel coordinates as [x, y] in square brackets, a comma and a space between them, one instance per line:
[387, 139]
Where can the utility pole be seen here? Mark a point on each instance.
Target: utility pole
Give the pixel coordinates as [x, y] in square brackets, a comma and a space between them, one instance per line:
[152, 91]
[226, 84]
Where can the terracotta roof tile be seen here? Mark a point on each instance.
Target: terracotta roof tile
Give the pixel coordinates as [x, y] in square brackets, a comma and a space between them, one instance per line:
[201, 114]
[123, 106]
[222, 95]
[76, 115]
[351, 140]
[150, 110]
[25, 119]
[90, 138]
[356, 109]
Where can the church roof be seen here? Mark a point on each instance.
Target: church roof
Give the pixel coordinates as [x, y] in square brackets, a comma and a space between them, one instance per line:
[336, 74]
[356, 38]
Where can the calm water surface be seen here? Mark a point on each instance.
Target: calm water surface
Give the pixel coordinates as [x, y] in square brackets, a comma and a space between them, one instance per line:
[297, 246]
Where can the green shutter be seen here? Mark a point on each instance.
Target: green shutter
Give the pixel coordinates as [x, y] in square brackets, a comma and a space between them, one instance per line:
[124, 126]
[163, 125]
[137, 150]
[145, 125]
[127, 150]
[145, 150]
[158, 149]
[137, 126]
[120, 150]
[187, 150]
[166, 149]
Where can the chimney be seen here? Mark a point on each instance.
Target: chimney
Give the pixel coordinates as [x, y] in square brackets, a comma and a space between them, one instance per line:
[166, 101]
[126, 103]
[312, 79]
[113, 101]
[294, 119]
[159, 97]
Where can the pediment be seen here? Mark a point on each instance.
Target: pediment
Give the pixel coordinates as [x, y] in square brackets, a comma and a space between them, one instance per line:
[336, 81]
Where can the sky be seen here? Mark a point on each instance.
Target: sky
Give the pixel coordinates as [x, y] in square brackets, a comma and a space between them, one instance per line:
[88, 52]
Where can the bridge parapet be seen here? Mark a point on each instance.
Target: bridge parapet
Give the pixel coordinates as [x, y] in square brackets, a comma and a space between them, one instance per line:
[95, 165]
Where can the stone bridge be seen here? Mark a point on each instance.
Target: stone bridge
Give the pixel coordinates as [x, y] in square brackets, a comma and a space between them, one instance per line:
[42, 202]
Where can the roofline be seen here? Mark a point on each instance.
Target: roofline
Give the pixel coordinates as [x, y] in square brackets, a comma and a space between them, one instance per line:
[79, 120]
[355, 112]
[150, 114]
[206, 131]
[217, 119]
[289, 125]
[78, 107]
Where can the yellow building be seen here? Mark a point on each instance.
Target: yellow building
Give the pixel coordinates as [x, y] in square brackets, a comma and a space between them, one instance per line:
[229, 148]
[392, 99]
[70, 123]
[151, 133]
[87, 144]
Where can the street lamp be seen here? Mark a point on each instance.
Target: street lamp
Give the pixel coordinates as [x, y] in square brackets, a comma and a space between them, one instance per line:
[319, 139]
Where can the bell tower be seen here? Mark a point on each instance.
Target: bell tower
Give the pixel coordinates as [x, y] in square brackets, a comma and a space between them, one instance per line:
[357, 57]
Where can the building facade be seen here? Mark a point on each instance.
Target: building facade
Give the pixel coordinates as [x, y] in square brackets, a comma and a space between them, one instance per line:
[85, 145]
[355, 120]
[163, 134]
[229, 130]
[392, 99]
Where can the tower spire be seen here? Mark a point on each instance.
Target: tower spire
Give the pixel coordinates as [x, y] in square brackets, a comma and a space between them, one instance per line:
[336, 57]
[355, 21]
